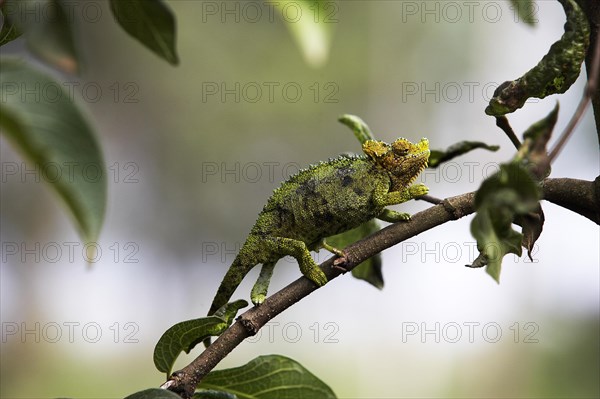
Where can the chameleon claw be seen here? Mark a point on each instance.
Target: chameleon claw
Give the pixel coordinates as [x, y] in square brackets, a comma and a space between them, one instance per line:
[321, 279]
[404, 217]
[317, 276]
[258, 299]
[340, 263]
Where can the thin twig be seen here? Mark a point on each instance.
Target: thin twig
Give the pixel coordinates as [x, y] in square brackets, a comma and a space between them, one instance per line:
[590, 88]
[560, 191]
[431, 199]
[502, 123]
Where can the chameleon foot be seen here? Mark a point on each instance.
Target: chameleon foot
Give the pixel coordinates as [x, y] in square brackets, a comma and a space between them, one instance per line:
[318, 277]
[417, 190]
[394, 217]
[258, 299]
[314, 274]
[259, 291]
[340, 264]
[331, 249]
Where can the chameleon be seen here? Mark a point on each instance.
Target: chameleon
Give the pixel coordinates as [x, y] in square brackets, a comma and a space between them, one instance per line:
[323, 200]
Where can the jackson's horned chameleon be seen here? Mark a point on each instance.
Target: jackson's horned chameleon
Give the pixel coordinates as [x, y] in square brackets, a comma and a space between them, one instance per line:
[324, 200]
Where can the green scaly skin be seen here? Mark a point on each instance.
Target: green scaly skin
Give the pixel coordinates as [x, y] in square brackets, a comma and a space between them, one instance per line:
[324, 200]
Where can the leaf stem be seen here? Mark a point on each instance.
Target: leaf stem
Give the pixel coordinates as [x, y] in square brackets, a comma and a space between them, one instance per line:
[502, 123]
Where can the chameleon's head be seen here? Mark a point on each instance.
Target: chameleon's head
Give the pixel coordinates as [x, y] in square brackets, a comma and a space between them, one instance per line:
[402, 159]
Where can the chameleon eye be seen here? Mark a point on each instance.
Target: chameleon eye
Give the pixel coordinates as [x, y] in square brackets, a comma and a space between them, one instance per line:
[401, 147]
[401, 151]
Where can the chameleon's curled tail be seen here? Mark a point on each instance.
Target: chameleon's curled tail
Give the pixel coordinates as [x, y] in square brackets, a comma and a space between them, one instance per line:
[230, 282]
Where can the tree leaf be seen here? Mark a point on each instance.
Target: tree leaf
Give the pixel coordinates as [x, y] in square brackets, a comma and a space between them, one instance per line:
[494, 240]
[436, 157]
[541, 130]
[310, 23]
[153, 393]
[534, 149]
[358, 126]
[9, 31]
[47, 30]
[480, 261]
[151, 22]
[228, 311]
[503, 196]
[370, 269]
[555, 73]
[38, 116]
[495, 213]
[267, 377]
[533, 154]
[525, 10]
[211, 394]
[532, 225]
[184, 336]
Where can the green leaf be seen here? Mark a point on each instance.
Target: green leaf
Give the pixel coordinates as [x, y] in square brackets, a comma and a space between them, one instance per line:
[370, 269]
[48, 31]
[228, 311]
[310, 23]
[534, 149]
[210, 394]
[9, 31]
[153, 393]
[186, 335]
[494, 239]
[542, 129]
[533, 154]
[525, 10]
[512, 196]
[151, 22]
[358, 127]
[436, 157]
[532, 225]
[268, 377]
[555, 73]
[38, 116]
[510, 193]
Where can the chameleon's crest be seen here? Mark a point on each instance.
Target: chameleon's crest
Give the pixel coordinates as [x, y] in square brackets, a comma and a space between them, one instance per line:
[402, 159]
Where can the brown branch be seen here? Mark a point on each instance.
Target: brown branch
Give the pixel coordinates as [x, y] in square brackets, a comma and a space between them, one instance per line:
[184, 381]
[579, 196]
[564, 192]
[591, 8]
[430, 199]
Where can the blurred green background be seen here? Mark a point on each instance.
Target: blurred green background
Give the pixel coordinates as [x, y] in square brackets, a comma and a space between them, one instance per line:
[190, 168]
